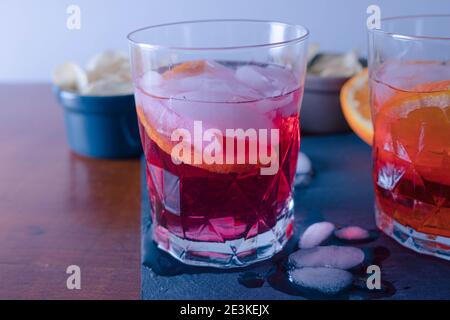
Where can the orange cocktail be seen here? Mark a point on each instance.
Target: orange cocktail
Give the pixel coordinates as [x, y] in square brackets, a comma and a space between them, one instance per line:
[411, 153]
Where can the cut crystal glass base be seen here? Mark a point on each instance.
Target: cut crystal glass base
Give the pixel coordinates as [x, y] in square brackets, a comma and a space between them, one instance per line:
[438, 246]
[229, 254]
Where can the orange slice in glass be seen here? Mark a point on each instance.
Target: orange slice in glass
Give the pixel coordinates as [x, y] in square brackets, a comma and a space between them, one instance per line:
[189, 68]
[418, 123]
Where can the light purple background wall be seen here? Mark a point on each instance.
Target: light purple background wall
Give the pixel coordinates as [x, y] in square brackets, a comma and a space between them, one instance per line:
[34, 37]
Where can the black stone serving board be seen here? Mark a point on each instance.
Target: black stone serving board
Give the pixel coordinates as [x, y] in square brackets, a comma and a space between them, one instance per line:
[341, 192]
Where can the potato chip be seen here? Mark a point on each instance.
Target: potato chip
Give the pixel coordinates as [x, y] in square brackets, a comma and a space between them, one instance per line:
[70, 76]
[337, 65]
[107, 73]
[313, 50]
[108, 87]
[108, 62]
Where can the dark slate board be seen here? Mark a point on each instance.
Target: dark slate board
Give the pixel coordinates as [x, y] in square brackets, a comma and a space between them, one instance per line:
[341, 192]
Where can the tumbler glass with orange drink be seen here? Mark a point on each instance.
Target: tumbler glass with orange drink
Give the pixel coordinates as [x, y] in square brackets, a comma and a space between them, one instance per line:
[409, 78]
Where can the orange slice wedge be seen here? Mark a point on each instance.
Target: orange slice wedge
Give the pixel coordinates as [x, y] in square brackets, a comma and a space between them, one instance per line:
[189, 68]
[418, 124]
[355, 105]
[417, 120]
[433, 86]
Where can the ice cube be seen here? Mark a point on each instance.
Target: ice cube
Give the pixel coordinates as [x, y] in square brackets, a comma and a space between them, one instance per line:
[150, 83]
[213, 95]
[150, 79]
[214, 82]
[211, 88]
[327, 256]
[282, 80]
[219, 115]
[304, 171]
[160, 114]
[218, 69]
[316, 234]
[303, 164]
[253, 77]
[270, 81]
[328, 281]
[352, 233]
[302, 180]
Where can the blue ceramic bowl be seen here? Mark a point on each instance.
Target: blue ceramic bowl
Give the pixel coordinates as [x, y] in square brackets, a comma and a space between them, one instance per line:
[101, 126]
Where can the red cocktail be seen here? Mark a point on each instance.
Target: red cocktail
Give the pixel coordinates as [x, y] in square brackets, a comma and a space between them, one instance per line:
[221, 139]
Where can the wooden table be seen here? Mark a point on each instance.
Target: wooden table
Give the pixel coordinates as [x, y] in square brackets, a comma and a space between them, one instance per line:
[59, 209]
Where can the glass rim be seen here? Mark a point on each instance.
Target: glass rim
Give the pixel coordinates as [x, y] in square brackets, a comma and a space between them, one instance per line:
[297, 39]
[402, 35]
